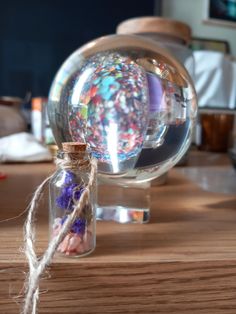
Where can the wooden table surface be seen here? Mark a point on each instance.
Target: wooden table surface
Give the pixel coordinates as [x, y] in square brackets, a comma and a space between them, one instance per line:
[183, 261]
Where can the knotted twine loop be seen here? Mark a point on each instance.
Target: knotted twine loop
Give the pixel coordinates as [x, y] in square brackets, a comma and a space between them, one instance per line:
[37, 265]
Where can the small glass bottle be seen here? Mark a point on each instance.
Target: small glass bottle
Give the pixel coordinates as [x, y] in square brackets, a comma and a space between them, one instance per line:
[65, 189]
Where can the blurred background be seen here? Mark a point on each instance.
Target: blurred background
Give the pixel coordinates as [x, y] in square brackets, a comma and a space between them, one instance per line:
[37, 36]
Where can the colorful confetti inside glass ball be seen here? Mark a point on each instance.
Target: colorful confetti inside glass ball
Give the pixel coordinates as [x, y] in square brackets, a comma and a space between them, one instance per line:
[110, 99]
[129, 100]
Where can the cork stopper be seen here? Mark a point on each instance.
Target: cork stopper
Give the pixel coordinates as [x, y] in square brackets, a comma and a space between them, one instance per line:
[159, 25]
[74, 147]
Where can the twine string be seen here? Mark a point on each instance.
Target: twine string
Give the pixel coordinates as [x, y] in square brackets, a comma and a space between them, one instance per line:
[37, 265]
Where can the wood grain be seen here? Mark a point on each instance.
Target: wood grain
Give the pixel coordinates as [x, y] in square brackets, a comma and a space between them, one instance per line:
[183, 261]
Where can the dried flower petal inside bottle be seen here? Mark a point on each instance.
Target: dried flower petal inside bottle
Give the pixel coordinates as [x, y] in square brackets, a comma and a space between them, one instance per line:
[66, 188]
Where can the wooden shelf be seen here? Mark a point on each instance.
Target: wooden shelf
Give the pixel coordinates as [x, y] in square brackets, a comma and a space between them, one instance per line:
[183, 261]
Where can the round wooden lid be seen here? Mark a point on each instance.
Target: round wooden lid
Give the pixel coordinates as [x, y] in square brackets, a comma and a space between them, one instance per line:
[74, 147]
[154, 24]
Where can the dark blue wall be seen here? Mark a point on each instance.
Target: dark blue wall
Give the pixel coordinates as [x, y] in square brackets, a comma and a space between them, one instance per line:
[37, 36]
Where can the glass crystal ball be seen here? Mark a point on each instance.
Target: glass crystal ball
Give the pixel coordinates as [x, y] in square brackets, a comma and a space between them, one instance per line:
[132, 103]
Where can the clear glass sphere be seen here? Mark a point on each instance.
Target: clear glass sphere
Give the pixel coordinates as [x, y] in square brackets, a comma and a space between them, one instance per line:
[130, 101]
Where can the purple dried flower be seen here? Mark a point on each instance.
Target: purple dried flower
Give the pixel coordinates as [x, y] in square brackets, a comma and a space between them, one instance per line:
[63, 202]
[69, 177]
[78, 225]
[68, 194]
[70, 189]
[78, 193]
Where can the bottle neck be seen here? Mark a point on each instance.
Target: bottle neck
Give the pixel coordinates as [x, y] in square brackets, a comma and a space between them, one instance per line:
[76, 160]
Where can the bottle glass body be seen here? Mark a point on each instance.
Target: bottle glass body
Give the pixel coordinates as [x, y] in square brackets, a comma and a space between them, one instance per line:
[65, 189]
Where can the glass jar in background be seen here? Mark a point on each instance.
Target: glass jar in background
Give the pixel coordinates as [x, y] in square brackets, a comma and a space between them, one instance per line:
[170, 34]
[65, 189]
[38, 105]
[217, 129]
[40, 124]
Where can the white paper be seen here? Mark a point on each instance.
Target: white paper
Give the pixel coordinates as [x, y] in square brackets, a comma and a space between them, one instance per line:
[215, 80]
[22, 147]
